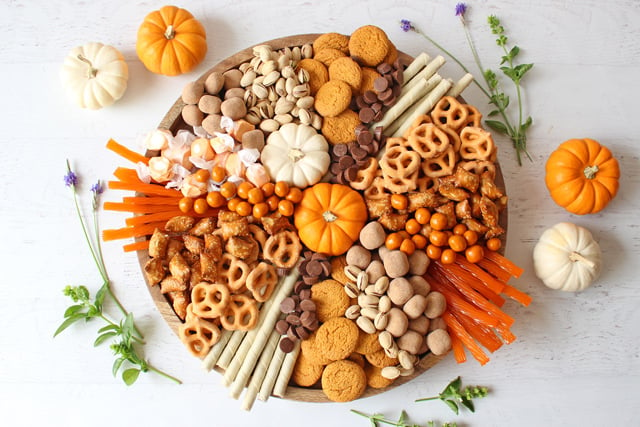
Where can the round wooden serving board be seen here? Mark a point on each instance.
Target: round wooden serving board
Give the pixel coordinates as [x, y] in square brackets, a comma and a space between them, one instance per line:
[173, 122]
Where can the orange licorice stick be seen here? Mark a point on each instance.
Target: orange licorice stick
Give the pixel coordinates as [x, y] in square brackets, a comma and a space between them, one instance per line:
[470, 294]
[517, 295]
[154, 217]
[136, 246]
[494, 269]
[126, 175]
[455, 328]
[458, 304]
[485, 336]
[127, 232]
[141, 209]
[458, 349]
[149, 189]
[490, 281]
[150, 201]
[504, 263]
[123, 151]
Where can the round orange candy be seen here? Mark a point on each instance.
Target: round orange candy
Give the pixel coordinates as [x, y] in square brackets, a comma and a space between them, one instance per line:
[228, 190]
[438, 221]
[457, 243]
[202, 175]
[215, 199]
[393, 241]
[420, 241]
[255, 196]
[471, 237]
[218, 174]
[268, 189]
[185, 204]
[474, 253]
[438, 238]
[434, 252]
[399, 201]
[448, 256]
[285, 207]
[412, 226]
[407, 246]
[260, 210]
[494, 244]
[200, 206]
[244, 188]
[422, 215]
[281, 189]
[294, 195]
[244, 208]
[272, 202]
[232, 204]
[459, 229]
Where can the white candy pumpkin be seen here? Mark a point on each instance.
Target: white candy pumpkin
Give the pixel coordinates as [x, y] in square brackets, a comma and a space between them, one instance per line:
[296, 154]
[95, 75]
[567, 257]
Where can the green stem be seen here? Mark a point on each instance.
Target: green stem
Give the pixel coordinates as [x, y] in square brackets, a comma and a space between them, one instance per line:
[381, 420]
[164, 374]
[424, 399]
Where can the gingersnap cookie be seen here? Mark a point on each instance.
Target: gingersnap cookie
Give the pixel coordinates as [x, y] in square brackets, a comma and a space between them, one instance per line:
[392, 54]
[318, 73]
[380, 359]
[367, 343]
[332, 98]
[337, 338]
[375, 378]
[328, 55]
[312, 352]
[332, 41]
[338, 263]
[341, 129]
[358, 358]
[305, 373]
[369, 44]
[347, 70]
[343, 381]
[330, 299]
[369, 75]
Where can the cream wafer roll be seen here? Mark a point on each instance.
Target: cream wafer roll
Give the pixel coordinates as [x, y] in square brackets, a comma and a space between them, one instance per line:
[432, 83]
[403, 103]
[272, 374]
[429, 70]
[215, 352]
[230, 349]
[460, 85]
[416, 65]
[425, 106]
[258, 376]
[280, 387]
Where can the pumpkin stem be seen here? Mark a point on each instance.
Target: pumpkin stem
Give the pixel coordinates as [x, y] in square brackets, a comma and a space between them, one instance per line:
[92, 71]
[295, 154]
[591, 171]
[577, 257]
[169, 33]
[329, 216]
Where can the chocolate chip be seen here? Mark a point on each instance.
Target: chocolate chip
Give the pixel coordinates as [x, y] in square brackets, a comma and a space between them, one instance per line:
[305, 295]
[366, 115]
[292, 334]
[314, 268]
[302, 268]
[307, 305]
[340, 179]
[384, 68]
[302, 332]
[377, 133]
[326, 268]
[320, 256]
[345, 162]
[335, 168]
[380, 84]
[383, 96]
[310, 280]
[359, 153]
[376, 107]
[308, 318]
[351, 174]
[396, 90]
[378, 116]
[360, 102]
[282, 326]
[286, 345]
[390, 101]
[340, 149]
[292, 319]
[365, 137]
[288, 305]
[370, 97]
[300, 286]
[398, 77]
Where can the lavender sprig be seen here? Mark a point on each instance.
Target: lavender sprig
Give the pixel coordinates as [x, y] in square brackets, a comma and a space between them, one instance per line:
[493, 90]
[124, 334]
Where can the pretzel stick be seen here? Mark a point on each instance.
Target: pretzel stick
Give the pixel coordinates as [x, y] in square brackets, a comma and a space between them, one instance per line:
[425, 106]
[230, 349]
[280, 388]
[460, 85]
[238, 372]
[261, 369]
[398, 121]
[416, 65]
[212, 357]
[429, 70]
[404, 102]
[272, 374]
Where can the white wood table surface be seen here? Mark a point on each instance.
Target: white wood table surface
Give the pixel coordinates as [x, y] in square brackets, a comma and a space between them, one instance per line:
[576, 361]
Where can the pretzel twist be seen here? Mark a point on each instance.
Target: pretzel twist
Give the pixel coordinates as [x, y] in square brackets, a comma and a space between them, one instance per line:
[262, 281]
[241, 314]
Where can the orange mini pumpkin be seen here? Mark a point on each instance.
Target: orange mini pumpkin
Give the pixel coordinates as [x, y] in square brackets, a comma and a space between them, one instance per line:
[171, 41]
[582, 176]
[329, 218]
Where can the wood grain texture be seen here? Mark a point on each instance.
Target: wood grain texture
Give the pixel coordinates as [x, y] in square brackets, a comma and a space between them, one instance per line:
[577, 357]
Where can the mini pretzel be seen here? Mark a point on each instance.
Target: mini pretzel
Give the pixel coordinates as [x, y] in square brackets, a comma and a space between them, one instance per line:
[241, 314]
[233, 272]
[365, 175]
[376, 190]
[283, 249]
[399, 169]
[440, 166]
[209, 300]
[400, 185]
[262, 281]
[479, 167]
[454, 137]
[199, 335]
[475, 117]
[420, 120]
[451, 112]
[428, 140]
[477, 144]
[258, 234]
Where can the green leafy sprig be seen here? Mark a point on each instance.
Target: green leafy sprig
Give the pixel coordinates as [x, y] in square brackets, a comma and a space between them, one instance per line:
[377, 419]
[493, 90]
[124, 335]
[455, 396]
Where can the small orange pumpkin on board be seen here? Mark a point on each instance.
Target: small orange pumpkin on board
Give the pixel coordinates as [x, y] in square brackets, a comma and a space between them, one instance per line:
[329, 218]
[171, 41]
[582, 176]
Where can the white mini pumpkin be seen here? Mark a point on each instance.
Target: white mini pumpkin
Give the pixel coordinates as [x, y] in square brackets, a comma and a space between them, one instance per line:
[95, 75]
[567, 257]
[296, 154]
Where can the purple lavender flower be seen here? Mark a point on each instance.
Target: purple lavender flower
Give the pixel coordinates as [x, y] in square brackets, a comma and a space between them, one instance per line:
[406, 25]
[461, 8]
[70, 179]
[97, 188]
